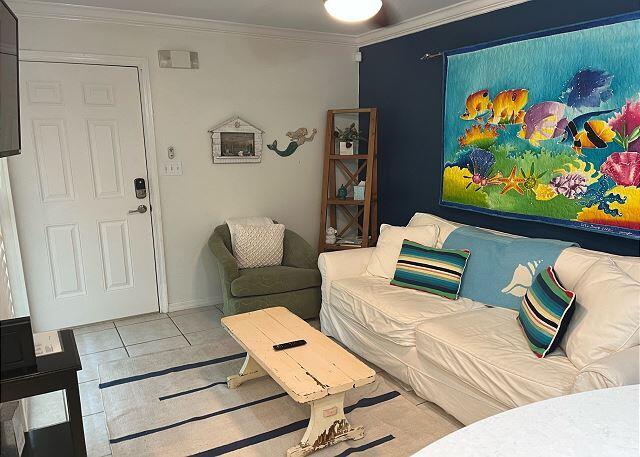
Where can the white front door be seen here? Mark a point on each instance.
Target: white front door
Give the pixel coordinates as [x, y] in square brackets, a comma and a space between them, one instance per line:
[86, 257]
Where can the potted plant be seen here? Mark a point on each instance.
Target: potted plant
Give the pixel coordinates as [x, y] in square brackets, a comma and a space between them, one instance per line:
[347, 137]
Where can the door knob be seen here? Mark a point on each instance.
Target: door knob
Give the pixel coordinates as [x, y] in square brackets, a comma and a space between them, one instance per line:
[141, 209]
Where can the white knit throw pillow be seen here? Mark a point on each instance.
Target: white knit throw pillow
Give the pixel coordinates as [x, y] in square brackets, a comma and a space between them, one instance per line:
[232, 222]
[259, 245]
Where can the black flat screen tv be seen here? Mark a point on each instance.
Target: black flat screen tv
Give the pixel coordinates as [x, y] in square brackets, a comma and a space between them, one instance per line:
[9, 96]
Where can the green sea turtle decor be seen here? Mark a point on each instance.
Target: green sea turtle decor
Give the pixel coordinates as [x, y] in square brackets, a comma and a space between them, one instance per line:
[298, 138]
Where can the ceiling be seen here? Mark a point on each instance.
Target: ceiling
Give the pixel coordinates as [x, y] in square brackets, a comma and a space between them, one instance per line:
[308, 15]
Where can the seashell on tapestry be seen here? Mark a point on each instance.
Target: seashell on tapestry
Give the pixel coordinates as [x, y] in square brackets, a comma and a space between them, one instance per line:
[623, 168]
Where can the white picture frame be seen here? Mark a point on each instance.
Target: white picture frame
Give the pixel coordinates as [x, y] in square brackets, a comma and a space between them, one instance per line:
[236, 141]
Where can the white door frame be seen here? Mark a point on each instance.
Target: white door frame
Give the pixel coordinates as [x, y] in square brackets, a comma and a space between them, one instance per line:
[142, 64]
[20, 302]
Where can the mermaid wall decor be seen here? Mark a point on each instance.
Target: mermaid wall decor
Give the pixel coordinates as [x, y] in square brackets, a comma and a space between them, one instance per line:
[297, 138]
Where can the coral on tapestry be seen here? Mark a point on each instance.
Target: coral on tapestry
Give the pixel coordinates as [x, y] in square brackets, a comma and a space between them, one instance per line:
[547, 128]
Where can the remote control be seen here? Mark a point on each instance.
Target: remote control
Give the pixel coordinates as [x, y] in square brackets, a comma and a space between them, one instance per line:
[289, 345]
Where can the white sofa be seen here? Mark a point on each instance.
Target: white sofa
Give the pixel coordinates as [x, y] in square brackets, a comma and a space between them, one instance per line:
[469, 358]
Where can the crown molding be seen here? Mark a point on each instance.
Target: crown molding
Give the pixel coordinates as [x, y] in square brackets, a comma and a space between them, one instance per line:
[60, 11]
[45, 10]
[457, 12]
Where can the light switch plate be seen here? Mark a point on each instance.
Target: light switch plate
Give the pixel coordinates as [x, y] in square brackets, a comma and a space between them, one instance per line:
[173, 168]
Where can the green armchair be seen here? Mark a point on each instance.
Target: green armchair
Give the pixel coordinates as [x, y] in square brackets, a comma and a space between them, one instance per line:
[295, 284]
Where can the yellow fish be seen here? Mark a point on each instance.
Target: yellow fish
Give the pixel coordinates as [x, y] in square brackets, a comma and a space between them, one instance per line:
[596, 135]
[507, 107]
[477, 104]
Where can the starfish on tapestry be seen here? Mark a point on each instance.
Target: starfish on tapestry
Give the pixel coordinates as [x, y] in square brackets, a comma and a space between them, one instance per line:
[512, 182]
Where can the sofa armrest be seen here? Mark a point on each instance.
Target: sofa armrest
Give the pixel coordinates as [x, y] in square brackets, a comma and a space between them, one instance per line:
[618, 369]
[342, 264]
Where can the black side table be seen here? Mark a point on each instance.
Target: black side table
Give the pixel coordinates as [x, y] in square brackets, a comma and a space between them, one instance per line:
[53, 372]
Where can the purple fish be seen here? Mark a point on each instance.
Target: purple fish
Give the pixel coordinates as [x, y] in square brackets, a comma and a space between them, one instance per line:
[588, 88]
[543, 121]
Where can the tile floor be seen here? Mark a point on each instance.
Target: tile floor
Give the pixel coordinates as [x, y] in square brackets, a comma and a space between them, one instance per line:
[139, 335]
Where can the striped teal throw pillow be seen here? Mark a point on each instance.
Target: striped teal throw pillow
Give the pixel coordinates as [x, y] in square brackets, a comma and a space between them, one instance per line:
[545, 312]
[433, 270]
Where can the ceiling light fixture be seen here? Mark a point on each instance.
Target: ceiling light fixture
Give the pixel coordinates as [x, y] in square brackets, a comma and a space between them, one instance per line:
[352, 10]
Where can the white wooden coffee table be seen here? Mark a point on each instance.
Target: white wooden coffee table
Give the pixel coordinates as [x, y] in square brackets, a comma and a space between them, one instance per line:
[318, 373]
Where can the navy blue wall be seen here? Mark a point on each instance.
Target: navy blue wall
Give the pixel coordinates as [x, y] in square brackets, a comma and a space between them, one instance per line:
[408, 93]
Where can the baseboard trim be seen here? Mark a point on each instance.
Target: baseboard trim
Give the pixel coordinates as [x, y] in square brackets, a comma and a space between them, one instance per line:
[195, 303]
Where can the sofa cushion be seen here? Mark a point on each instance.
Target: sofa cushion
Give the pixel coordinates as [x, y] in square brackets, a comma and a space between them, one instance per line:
[385, 255]
[486, 349]
[573, 263]
[274, 280]
[392, 312]
[445, 227]
[607, 314]
[570, 265]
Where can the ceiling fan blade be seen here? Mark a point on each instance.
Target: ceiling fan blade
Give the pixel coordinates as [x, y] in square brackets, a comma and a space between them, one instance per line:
[385, 17]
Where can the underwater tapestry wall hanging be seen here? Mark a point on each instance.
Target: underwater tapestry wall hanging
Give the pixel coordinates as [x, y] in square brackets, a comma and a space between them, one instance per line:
[546, 127]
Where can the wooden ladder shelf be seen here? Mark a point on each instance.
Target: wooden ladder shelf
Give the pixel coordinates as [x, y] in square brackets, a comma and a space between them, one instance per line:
[359, 216]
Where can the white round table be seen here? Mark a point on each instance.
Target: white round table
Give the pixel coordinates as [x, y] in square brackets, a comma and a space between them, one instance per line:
[599, 423]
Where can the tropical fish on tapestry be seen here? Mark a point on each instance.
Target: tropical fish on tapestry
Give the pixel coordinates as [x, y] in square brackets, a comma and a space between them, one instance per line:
[477, 104]
[588, 89]
[596, 135]
[546, 120]
[507, 107]
[543, 121]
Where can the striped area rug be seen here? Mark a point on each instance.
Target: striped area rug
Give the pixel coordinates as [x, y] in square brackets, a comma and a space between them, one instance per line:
[176, 403]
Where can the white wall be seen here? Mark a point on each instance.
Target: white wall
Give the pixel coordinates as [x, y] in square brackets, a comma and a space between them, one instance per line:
[278, 85]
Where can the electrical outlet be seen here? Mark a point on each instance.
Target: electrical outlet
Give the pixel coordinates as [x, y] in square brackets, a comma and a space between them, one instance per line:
[172, 168]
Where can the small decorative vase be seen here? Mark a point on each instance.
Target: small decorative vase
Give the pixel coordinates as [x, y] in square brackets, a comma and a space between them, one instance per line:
[342, 193]
[346, 148]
